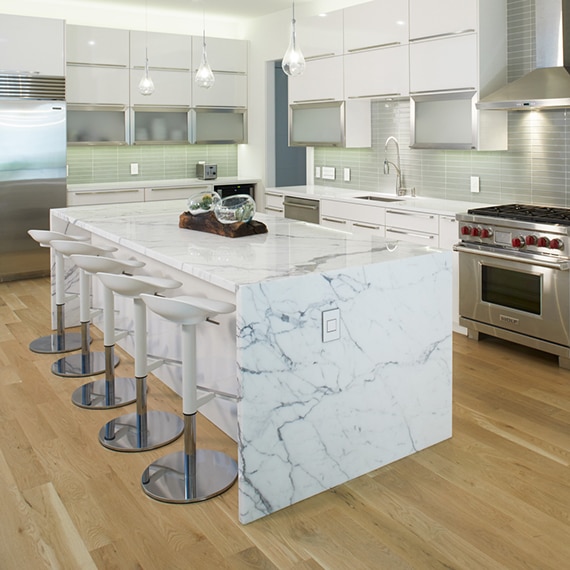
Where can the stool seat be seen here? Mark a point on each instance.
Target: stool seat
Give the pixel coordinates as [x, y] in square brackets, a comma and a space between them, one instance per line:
[194, 474]
[142, 430]
[85, 363]
[110, 391]
[61, 341]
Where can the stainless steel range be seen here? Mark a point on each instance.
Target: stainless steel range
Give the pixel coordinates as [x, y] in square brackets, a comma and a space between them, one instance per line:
[514, 275]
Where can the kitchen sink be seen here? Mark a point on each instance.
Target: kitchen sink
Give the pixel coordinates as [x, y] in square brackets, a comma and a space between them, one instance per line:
[378, 198]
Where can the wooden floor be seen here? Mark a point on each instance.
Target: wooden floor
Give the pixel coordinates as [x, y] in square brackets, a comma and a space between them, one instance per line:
[495, 496]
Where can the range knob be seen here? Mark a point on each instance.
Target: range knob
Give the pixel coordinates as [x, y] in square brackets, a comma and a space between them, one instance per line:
[465, 230]
[531, 240]
[542, 242]
[518, 242]
[556, 244]
[475, 231]
[486, 233]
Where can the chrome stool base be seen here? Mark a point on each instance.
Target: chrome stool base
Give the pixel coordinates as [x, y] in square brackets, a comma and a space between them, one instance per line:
[56, 343]
[81, 365]
[136, 432]
[104, 395]
[170, 478]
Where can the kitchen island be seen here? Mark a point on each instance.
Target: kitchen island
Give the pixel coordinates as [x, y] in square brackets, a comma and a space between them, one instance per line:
[312, 410]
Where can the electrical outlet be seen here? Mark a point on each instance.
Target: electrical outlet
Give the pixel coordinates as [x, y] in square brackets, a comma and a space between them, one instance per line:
[346, 174]
[134, 168]
[317, 171]
[328, 172]
[475, 184]
[331, 325]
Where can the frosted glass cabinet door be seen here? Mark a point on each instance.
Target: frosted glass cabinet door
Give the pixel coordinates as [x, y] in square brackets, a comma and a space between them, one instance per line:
[97, 46]
[442, 17]
[377, 73]
[374, 24]
[168, 51]
[321, 81]
[32, 45]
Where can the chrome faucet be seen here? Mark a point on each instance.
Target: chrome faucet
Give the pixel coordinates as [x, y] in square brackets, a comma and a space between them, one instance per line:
[400, 190]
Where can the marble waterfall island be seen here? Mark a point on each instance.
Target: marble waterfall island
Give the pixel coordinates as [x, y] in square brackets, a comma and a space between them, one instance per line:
[310, 414]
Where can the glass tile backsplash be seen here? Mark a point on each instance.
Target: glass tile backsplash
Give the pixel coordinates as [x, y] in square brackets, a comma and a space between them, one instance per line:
[534, 169]
[156, 162]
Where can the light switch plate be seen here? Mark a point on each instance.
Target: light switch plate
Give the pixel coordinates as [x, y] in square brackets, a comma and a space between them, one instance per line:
[331, 325]
[134, 167]
[475, 184]
[346, 174]
[328, 172]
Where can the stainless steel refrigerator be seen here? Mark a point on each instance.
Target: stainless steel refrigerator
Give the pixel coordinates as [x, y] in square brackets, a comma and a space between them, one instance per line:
[32, 169]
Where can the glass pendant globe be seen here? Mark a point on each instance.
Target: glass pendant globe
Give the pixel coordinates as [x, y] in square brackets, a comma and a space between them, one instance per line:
[204, 76]
[146, 85]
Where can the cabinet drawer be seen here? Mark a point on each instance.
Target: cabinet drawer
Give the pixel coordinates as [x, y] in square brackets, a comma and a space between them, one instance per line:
[412, 236]
[173, 193]
[415, 221]
[335, 223]
[367, 214]
[274, 202]
[105, 197]
[368, 229]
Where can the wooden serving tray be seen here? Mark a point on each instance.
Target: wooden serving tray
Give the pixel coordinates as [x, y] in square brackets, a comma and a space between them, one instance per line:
[207, 222]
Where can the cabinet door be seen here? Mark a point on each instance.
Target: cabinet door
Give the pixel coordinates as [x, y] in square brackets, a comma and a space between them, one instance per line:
[321, 81]
[167, 51]
[223, 54]
[377, 73]
[32, 45]
[173, 193]
[442, 17]
[229, 90]
[414, 221]
[97, 85]
[274, 204]
[321, 36]
[444, 64]
[375, 24]
[170, 88]
[105, 197]
[97, 46]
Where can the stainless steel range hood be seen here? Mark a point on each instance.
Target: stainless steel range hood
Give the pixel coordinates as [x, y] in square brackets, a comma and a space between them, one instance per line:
[548, 86]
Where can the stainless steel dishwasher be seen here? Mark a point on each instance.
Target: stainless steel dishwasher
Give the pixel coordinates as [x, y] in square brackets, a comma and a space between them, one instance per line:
[302, 209]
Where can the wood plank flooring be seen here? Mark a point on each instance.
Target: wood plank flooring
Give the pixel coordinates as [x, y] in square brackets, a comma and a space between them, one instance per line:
[495, 496]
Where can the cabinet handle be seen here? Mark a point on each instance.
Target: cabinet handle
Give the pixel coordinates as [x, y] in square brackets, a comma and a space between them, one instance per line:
[445, 35]
[106, 65]
[452, 90]
[163, 188]
[313, 100]
[365, 226]
[334, 221]
[105, 192]
[413, 214]
[375, 95]
[319, 55]
[274, 209]
[305, 206]
[422, 236]
[353, 50]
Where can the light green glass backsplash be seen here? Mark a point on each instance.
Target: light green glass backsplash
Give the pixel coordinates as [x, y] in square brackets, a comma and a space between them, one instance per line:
[534, 169]
[156, 162]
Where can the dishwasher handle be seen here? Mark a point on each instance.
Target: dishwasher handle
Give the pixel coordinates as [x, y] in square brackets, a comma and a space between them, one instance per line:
[296, 205]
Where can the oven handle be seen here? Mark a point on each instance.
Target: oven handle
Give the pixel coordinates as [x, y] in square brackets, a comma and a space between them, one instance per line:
[561, 266]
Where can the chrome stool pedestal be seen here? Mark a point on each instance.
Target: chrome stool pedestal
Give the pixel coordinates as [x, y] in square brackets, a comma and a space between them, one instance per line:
[143, 429]
[194, 474]
[84, 363]
[60, 341]
[110, 391]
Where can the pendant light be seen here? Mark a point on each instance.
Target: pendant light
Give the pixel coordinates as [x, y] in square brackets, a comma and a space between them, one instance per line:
[293, 62]
[204, 76]
[146, 84]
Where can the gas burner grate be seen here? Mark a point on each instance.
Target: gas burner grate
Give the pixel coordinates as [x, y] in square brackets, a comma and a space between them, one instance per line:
[526, 213]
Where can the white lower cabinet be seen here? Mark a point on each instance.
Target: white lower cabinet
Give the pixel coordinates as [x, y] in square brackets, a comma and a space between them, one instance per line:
[274, 204]
[115, 196]
[173, 192]
[415, 227]
[354, 218]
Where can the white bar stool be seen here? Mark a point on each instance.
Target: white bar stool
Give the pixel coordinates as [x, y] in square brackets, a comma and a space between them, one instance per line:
[84, 363]
[60, 341]
[108, 392]
[194, 474]
[143, 429]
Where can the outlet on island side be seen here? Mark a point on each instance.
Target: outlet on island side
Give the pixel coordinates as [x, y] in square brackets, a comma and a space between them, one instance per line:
[331, 325]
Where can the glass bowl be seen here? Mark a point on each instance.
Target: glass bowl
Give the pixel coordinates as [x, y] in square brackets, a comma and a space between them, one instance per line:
[203, 202]
[233, 209]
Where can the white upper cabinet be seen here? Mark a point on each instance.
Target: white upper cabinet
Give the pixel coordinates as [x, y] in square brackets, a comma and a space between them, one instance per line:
[321, 36]
[375, 24]
[229, 90]
[378, 73]
[97, 85]
[32, 45]
[223, 54]
[97, 46]
[428, 19]
[171, 88]
[165, 51]
[321, 81]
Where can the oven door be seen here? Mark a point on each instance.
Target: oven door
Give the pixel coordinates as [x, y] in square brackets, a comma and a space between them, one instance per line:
[529, 297]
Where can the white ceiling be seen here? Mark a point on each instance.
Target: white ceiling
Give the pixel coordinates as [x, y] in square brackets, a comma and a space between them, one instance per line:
[229, 8]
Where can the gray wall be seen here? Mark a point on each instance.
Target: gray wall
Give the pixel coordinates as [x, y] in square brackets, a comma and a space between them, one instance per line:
[533, 170]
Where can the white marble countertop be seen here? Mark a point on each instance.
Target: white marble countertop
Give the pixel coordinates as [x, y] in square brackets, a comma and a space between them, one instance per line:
[419, 203]
[290, 248]
[138, 183]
